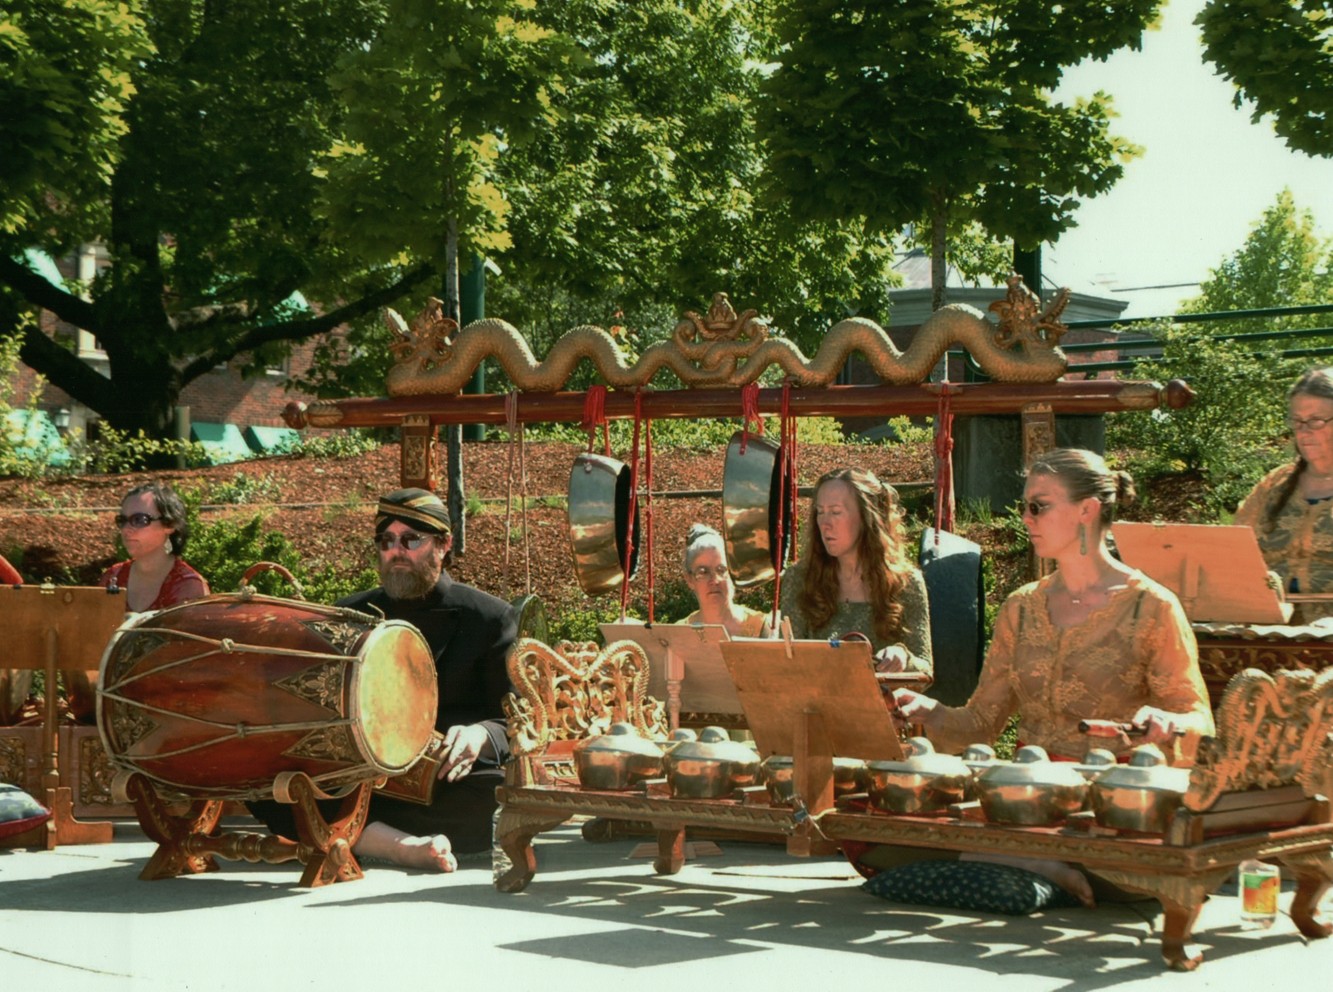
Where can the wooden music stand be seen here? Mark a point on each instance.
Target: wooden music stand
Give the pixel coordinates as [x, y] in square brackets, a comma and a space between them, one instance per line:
[685, 667]
[812, 700]
[1217, 571]
[56, 628]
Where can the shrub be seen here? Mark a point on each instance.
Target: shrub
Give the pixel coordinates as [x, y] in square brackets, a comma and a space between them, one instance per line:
[246, 489]
[342, 444]
[1230, 434]
[118, 452]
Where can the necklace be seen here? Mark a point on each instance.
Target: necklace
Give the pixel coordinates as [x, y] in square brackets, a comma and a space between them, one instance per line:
[1083, 594]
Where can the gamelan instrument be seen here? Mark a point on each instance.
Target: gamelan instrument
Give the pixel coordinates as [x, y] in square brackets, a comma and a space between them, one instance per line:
[216, 697]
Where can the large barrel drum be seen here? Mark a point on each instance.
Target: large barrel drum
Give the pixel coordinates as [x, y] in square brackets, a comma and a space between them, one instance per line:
[216, 697]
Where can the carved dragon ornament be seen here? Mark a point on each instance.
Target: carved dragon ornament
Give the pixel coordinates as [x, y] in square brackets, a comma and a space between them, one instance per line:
[723, 348]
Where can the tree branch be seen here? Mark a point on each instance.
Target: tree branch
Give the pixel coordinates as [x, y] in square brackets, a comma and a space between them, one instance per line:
[39, 292]
[75, 376]
[301, 330]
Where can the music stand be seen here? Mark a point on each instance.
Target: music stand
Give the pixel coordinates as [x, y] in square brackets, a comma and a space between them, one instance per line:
[1216, 571]
[812, 700]
[43, 625]
[685, 667]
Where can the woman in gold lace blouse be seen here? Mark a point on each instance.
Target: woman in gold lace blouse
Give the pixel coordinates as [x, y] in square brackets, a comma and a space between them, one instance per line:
[1095, 639]
[1291, 509]
[854, 575]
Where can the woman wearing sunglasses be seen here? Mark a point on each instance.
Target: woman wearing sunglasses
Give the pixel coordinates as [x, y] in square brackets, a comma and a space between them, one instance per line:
[1291, 509]
[1095, 639]
[854, 575]
[154, 531]
[709, 578]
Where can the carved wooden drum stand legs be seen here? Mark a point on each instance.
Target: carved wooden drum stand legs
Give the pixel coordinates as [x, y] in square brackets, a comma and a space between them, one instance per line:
[187, 843]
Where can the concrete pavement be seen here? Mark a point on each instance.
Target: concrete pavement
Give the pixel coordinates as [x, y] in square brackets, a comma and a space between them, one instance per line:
[78, 918]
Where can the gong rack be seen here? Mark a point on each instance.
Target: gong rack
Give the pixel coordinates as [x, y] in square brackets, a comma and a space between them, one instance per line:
[1257, 790]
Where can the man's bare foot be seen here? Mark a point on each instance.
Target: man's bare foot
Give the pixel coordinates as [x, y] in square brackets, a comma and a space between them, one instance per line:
[1061, 873]
[386, 843]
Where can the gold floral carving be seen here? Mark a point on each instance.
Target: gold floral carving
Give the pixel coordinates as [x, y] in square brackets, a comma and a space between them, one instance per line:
[128, 725]
[418, 443]
[13, 760]
[1272, 730]
[342, 636]
[574, 691]
[95, 772]
[321, 684]
[333, 742]
[724, 348]
[133, 647]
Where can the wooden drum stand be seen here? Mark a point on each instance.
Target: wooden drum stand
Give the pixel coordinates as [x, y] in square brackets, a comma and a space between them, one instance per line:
[187, 843]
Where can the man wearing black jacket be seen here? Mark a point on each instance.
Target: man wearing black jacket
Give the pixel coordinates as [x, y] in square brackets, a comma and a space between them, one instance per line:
[470, 633]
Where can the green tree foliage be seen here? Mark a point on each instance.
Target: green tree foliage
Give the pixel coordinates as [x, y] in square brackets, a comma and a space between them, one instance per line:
[65, 81]
[1232, 433]
[1284, 262]
[645, 196]
[211, 206]
[897, 111]
[1279, 54]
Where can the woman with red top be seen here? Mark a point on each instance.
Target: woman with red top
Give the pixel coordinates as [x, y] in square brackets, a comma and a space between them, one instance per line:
[9, 575]
[154, 531]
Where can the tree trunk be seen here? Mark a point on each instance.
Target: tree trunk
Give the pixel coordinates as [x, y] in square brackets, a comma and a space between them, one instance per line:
[939, 222]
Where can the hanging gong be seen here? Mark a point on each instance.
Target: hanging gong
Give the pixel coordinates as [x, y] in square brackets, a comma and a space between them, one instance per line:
[753, 511]
[599, 523]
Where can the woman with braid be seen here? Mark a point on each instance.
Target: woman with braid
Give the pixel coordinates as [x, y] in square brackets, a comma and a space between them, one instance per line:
[1291, 509]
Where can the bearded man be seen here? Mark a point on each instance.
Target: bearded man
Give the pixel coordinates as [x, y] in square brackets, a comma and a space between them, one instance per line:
[470, 633]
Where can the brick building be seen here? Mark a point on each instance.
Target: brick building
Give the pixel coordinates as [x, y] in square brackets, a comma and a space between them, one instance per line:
[229, 412]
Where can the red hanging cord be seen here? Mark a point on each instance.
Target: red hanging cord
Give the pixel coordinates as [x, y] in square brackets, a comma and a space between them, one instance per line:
[648, 483]
[633, 504]
[787, 497]
[594, 416]
[789, 443]
[944, 497]
[750, 413]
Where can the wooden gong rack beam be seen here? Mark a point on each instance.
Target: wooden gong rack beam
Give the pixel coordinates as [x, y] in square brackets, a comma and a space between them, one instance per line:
[419, 417]
[1085, 397]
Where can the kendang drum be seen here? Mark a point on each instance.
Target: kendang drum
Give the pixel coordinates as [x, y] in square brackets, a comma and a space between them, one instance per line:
[214, 698]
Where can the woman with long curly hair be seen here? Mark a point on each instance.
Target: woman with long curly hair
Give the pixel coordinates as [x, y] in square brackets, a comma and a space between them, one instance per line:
[854, 575]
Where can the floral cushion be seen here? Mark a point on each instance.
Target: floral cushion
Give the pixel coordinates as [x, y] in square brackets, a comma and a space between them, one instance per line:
[19, 811]
[974, 885]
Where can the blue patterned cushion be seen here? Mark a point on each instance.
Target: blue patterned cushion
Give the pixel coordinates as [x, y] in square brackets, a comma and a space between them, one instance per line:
[19, 811]
[975, 885]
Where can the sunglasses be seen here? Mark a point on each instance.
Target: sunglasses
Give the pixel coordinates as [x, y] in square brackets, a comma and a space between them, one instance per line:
[410, 541]
[135, 521]
[1033, 508]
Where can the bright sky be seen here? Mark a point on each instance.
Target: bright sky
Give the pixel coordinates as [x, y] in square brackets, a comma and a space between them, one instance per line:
[1206, 176]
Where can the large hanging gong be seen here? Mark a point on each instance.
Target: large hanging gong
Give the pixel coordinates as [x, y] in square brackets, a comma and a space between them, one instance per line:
[753, 510]
[600, 527]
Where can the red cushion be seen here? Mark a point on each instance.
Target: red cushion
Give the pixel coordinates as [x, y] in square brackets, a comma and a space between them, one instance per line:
[19, 812]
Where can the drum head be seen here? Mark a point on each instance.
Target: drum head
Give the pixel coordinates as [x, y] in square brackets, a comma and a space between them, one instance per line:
[753, 510]
[396, 696]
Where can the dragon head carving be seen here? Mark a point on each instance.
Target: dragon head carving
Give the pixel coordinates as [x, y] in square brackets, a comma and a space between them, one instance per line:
[1022, 321]
[427, 343]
